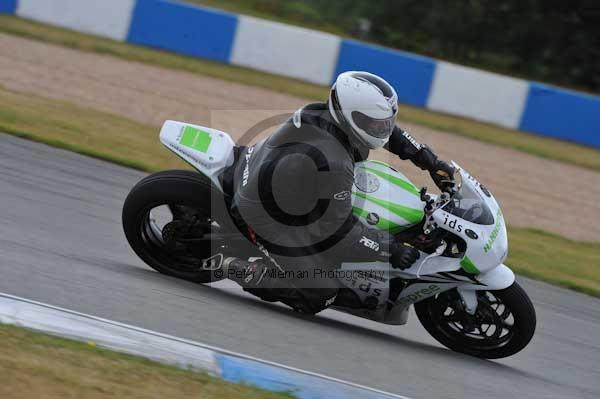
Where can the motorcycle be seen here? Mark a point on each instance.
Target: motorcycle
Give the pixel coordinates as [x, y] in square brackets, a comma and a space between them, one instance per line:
[178, 223]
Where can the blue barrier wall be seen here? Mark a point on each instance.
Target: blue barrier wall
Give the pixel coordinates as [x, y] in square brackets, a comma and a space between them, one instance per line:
[411, 75]
[184, 29]
[420, 81]
[8, 6]
[562, 114]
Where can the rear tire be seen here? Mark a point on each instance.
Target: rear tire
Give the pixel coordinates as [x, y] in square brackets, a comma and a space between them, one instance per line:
[175, 188]
[431, 315]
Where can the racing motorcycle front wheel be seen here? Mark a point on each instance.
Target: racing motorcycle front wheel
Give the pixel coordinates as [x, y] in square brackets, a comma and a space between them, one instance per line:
[503, 324]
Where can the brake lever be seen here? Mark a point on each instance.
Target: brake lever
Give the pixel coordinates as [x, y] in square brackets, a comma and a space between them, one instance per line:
[426, 198]
[431, 206]
[428, 227]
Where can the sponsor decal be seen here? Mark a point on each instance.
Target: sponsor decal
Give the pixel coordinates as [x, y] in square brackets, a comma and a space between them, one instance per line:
[372, 218]
[453, 224]
[412, 140]
[366, 182]
[342, 195]
[481, 187]
[421, 294]
[456, 226]
[181, 150]
[366, 287]
[485, 190]
[246, 173]
[471, 234]
[495, 233]
[367, 242]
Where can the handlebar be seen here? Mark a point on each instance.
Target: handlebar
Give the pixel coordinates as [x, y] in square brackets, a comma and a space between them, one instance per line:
[432, 205]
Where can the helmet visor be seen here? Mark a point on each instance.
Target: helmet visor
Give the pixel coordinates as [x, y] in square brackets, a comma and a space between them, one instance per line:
[379, 128]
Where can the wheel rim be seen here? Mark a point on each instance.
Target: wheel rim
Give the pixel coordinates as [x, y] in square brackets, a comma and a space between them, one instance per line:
[168, 232]
[491, 327]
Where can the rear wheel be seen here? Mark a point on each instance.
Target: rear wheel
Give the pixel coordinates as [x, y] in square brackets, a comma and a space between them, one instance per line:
[503, 324]
[165, 217]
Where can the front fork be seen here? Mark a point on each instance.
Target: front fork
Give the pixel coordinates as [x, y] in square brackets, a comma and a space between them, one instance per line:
[498, 278]
[469, 300]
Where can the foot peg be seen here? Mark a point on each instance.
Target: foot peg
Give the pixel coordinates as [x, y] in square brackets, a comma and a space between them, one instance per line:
[215, 262]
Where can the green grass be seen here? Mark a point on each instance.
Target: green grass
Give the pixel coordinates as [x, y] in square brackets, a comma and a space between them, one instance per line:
[35, 365]
[530, 143]
[84, 130]
[555, 259]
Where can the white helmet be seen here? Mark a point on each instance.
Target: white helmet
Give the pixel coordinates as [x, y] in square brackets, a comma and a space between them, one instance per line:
[365, 106]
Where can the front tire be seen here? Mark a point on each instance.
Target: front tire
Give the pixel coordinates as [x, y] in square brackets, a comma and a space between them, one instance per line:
[191, 200]
[503, 325]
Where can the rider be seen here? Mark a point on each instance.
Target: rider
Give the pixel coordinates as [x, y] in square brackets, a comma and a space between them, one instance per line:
[292, 194]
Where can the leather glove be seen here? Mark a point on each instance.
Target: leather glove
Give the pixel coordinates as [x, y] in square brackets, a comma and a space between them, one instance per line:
[402, 255]
[442, 174]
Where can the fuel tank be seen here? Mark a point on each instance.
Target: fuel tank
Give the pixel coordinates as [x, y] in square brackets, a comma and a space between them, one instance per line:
[384, 198]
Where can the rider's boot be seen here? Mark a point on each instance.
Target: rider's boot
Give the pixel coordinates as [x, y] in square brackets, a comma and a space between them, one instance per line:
[254, 278]
[249, 275]
[245, 273]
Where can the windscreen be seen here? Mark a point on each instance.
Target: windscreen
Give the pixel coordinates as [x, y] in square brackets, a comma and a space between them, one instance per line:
[468, 205]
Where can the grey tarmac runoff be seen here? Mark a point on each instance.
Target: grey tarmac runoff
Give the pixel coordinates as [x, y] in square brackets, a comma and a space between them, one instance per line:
[61, 243]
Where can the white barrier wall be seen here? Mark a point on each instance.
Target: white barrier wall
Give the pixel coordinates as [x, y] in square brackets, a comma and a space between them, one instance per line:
[285, 50]
[316, 56]
[108, 18]
[478, 94]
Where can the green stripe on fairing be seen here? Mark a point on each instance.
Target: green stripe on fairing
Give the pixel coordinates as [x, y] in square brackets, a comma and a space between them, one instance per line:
[468, 265]
[383, 224]
[396, 181]
[409, 214]
[194, 138]
[380, 163]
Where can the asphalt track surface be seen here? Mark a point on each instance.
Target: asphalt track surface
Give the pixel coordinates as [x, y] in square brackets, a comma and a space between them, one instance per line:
[61, 243]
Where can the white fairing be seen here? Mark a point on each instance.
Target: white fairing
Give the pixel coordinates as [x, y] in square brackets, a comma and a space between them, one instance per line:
[496, 279]
[208, 150]
[382, 191]
[488, 246]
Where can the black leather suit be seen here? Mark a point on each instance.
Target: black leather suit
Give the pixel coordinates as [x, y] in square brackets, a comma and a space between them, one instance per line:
[292, 194]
